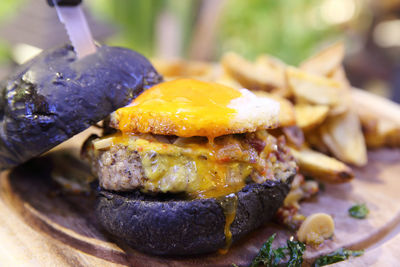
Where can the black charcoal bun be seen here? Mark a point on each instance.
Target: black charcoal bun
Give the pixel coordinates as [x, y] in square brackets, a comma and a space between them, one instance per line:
[169, 226]
[55, 96]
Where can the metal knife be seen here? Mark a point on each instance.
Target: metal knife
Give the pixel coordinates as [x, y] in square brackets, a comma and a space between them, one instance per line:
[71, 15]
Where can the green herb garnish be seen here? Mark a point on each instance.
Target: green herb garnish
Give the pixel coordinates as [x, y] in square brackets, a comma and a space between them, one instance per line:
[359, 211]
[336, 256]
[296, 249]
[265, 255]
[291, 255]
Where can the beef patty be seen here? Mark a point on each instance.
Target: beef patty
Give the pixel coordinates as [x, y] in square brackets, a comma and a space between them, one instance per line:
[194, 165]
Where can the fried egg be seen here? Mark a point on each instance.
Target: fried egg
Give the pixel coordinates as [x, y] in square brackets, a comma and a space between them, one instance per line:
[188, 107]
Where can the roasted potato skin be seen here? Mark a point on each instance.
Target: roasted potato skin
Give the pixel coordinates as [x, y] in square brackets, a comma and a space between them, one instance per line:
[55, 96]
[167, 225]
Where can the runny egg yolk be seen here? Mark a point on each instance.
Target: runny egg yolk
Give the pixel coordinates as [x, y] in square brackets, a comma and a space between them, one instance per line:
[183, 107]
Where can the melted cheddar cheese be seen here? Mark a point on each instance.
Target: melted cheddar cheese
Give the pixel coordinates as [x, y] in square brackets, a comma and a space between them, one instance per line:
[195, 166]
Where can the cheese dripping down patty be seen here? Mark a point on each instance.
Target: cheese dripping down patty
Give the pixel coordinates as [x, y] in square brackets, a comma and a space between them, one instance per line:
[190, 165]
[187, 107]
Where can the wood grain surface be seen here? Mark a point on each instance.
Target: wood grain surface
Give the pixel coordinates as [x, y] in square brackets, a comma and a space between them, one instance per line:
[385, 255]
[41, 225]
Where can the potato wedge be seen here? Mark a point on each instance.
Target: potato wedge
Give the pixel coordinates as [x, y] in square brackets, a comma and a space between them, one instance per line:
[379, 132]
[250, 75]
[381, 126]
[226, 79]
[310, 88]
[309, 116]
[391, 132]
[322, 167]
[364, 101]
[343, 136]
[286, 112]
[272, 63]
[278, 70]
[387, 133]
[294, 135]
[314, 140]
[340, 76]
[339, 109]
[326, 61]
[181, 68]
[168, 67]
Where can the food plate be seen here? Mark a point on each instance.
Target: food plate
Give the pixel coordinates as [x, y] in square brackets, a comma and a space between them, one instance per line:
[40, 225]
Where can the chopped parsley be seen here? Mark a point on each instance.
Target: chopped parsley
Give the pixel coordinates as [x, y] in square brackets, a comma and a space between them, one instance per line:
[359, 211]
[336, 256]
[291, 255]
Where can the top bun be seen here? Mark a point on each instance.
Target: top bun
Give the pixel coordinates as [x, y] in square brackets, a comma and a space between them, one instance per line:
[55, 96]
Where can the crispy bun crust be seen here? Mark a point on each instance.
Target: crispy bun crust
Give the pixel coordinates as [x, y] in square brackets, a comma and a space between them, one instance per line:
[55, 96]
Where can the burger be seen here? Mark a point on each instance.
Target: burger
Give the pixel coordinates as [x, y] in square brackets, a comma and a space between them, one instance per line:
[189, 167]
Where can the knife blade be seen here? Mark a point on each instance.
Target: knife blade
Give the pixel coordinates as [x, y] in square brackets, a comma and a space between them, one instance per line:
[77, 28]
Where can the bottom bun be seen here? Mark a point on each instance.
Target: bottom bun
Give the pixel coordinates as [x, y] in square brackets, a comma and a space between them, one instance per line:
[167, 225]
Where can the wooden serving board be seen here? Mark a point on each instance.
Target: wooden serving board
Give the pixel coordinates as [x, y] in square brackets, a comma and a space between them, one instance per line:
[384, 255]
[42, 226]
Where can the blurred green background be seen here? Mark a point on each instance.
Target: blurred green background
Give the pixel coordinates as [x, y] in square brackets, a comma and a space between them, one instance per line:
[204, 29]
[290, 29]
